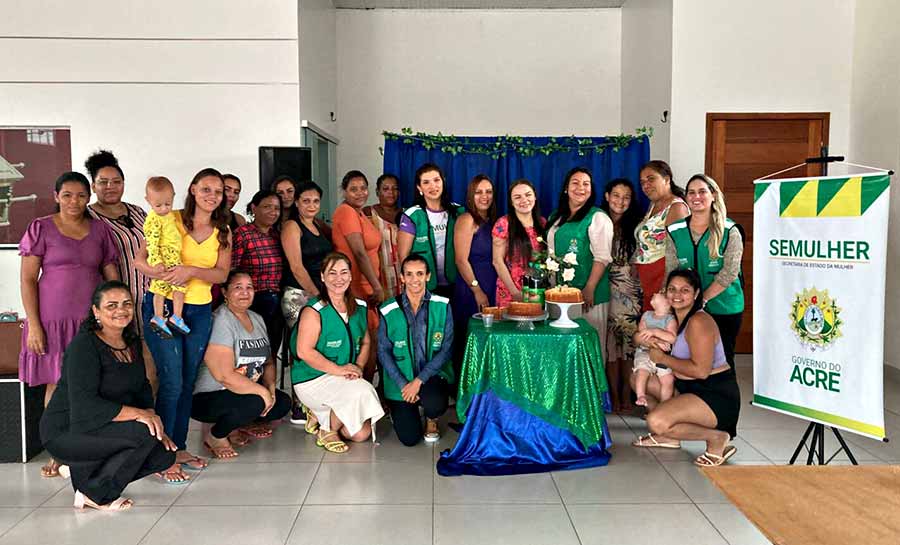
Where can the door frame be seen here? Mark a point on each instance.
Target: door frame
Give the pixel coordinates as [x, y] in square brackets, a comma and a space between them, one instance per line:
[716, 143]
[712, 117]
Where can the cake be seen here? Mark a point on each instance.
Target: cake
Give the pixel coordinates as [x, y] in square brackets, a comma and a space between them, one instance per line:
[525, 309]
[563, 294]
[496, 312]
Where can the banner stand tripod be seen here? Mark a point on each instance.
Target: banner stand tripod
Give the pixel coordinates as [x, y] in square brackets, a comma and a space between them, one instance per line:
[816, 447]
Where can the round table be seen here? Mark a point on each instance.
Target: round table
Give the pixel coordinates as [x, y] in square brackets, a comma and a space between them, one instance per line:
[531, 401]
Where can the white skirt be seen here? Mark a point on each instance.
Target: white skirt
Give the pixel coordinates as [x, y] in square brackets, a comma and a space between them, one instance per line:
[353, 401]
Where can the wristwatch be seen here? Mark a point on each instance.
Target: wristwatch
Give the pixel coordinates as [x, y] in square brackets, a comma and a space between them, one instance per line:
[474, 283]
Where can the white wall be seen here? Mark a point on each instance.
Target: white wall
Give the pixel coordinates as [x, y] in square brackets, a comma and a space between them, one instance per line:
[760, 56]
[875, 129]
[647, 69]
[170, 87]
[318, 63]
[474, 72]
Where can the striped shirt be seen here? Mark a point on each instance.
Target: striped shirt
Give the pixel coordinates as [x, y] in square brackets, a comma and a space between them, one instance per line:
[128, 233]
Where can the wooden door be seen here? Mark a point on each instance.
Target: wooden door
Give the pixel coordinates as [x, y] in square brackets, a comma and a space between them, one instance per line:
[743, 147]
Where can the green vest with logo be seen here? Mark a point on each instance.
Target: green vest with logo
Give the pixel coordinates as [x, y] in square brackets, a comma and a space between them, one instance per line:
[573, 237]
[696, 256]
[400, 335]
[339, 341]
[423, 243]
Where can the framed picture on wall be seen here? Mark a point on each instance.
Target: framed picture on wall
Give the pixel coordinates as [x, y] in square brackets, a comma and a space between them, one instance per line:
[31, 158]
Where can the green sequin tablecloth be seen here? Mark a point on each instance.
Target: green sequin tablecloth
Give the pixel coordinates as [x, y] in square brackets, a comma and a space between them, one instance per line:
[554, 374]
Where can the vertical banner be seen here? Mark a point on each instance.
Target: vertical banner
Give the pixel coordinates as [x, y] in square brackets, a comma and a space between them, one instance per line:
[819, 259]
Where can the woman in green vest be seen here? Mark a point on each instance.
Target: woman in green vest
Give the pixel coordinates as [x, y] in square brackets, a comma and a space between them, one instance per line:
[415, 342]
[713, 245]
[426, 228]
[578, 227]
[329, 348]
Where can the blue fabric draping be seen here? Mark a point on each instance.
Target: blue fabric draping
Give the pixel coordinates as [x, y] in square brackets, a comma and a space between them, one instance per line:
[544, 171]
[500, 438]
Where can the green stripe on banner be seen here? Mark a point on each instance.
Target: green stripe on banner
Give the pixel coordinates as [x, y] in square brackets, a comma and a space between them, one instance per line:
[827, 190]
[872, 188]
[789, 190]
[869, 429]
[759, 189]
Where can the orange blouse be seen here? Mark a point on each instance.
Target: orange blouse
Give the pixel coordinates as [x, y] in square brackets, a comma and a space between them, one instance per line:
[346, 221]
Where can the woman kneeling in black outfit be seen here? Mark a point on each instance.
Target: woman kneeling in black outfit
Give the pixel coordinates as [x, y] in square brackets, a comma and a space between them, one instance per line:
[100, 421]
[236, 383]
[709, 401]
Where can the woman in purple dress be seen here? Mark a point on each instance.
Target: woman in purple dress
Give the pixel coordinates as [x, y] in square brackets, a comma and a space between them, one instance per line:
[476, 282]
[64, 257]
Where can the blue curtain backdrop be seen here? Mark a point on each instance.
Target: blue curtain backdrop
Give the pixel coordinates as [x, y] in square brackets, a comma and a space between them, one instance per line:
[544, 171]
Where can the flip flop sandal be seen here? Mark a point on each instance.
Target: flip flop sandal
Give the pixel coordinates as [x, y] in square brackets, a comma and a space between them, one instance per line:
[49, 472]
[177, 482]
[198, 462]
[119, 504]
[221, 453]
[708, 459]
[336, 447]
[257, 432]
[648, 441]
[239, 439]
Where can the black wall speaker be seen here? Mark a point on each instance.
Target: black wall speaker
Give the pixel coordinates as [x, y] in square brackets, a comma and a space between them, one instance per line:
[276, 161]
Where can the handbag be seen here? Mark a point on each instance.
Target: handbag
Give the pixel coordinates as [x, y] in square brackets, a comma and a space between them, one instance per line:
[292, 302]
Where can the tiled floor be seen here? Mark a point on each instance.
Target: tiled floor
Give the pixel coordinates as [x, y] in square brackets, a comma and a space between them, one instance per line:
[285, 490]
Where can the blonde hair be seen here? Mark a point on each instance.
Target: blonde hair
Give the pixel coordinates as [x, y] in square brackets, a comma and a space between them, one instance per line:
[159, 183]
[717, 214]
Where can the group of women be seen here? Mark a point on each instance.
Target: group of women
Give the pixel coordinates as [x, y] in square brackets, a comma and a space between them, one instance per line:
[282, 265]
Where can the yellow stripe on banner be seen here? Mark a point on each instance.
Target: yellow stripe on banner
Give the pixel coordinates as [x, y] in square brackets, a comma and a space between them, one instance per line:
[804, 203]
[845, 202]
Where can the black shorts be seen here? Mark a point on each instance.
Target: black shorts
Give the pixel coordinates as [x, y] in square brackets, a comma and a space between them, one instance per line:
[720, 392]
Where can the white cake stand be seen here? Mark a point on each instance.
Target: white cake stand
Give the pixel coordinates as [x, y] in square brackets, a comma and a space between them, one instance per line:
[564, 322]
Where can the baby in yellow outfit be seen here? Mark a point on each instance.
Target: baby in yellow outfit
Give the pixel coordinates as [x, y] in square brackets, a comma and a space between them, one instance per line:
[164, 248]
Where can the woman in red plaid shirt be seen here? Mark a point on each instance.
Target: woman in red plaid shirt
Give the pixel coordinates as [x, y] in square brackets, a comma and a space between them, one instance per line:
[257, 251]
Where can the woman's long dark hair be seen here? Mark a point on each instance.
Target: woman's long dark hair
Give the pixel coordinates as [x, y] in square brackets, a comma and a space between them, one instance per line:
[129, 334]
[562, 208]
[220, 216]
[693, 279]
[470, 201]
[329, 262]
[419, 198]
[519, 241]
[663, 169]
[624, 228]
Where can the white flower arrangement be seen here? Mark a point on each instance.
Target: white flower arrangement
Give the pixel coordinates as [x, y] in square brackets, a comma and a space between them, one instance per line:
[564, 268]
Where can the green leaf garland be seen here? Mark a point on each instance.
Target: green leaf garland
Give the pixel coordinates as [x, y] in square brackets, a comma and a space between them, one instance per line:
[525, 146]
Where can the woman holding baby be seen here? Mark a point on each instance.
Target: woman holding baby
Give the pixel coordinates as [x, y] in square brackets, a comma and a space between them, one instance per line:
[708, 403]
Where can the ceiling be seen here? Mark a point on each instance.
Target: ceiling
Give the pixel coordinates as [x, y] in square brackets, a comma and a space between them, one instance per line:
[475, 4]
